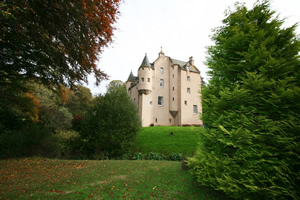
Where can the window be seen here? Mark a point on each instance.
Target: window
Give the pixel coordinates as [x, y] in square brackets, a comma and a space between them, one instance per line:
[188, 90]
[170, 120]
[185, 102]
[161, 70]
[156, 120]
[160, 100]
[173, 88]
[142, 79]
[173, 75]
[195, 109]
[142, 68]
[148, 79]
[161, 83]
[173, 99]
[188, 78]
[150, 102]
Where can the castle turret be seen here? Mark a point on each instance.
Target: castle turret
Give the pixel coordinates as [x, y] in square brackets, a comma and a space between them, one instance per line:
[131, 79]
[145, 76]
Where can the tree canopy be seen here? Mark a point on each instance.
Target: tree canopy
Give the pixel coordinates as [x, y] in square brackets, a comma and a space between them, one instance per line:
[112, 123]
[251, 106]
[55, 42]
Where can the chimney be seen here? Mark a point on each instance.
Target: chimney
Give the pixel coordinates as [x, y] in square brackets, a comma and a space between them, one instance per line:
[191, 61]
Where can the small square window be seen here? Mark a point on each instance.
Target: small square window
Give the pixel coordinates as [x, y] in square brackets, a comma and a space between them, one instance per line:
[195, 109]
[142, 79]
[161, 83]
[185, 102]
[160, 100]
[188, 90]
[148, 79]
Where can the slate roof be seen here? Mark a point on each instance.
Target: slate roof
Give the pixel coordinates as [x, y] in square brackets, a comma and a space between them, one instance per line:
[145, 62]
[131, 77]
[183, 65]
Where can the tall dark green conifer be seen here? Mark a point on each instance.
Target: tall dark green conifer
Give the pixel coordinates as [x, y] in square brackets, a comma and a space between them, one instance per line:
[251, 106]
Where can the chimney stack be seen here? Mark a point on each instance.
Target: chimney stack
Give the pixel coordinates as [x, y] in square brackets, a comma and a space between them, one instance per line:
[191, 61]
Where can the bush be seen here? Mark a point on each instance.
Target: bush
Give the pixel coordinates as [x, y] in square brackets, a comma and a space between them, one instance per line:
[176, 157]
[68, 144]
[155, 156]
[26, 141]
[111, 125]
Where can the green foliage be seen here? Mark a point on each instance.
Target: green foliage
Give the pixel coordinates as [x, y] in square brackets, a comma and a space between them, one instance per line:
[26, 141]
[176, 157]
[79, 100]
[68, 144]
[251, 106]
[112, 124]
[56, 118]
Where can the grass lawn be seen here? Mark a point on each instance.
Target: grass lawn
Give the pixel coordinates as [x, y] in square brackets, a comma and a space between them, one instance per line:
[157, 139]
[39, 178]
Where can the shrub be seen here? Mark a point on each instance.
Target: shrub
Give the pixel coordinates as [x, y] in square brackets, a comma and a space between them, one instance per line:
[26, 141]
[155, 156]
[68, 143]
[176, 157]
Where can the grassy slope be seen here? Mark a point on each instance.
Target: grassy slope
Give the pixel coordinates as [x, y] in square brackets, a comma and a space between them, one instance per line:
[37, 178]
[158, 139]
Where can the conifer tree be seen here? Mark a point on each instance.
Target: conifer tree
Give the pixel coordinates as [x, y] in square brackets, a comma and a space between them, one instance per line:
[251, 106]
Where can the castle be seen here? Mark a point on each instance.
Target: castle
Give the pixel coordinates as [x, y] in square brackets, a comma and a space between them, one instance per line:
[166, 92]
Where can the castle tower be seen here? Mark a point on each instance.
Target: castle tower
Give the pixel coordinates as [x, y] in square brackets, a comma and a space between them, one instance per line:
[145, 77]
[145, 95]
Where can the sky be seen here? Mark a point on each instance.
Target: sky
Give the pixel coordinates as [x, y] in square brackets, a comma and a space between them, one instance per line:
[181, 27]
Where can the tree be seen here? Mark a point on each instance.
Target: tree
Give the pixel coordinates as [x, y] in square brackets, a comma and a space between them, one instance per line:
[51, 42]
[52, 113]
[251, 106]
[79, 100]
[56, 42]
[115, 84]
[112, 124]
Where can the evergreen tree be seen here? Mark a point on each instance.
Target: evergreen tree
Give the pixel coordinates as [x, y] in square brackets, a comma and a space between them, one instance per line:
[251, 106]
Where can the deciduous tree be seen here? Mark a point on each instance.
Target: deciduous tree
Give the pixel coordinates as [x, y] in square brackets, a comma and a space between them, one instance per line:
[55, 42]
[111, 125]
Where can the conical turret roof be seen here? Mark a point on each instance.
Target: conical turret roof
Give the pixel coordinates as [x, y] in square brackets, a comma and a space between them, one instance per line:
[145, 62]
[131, 78]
